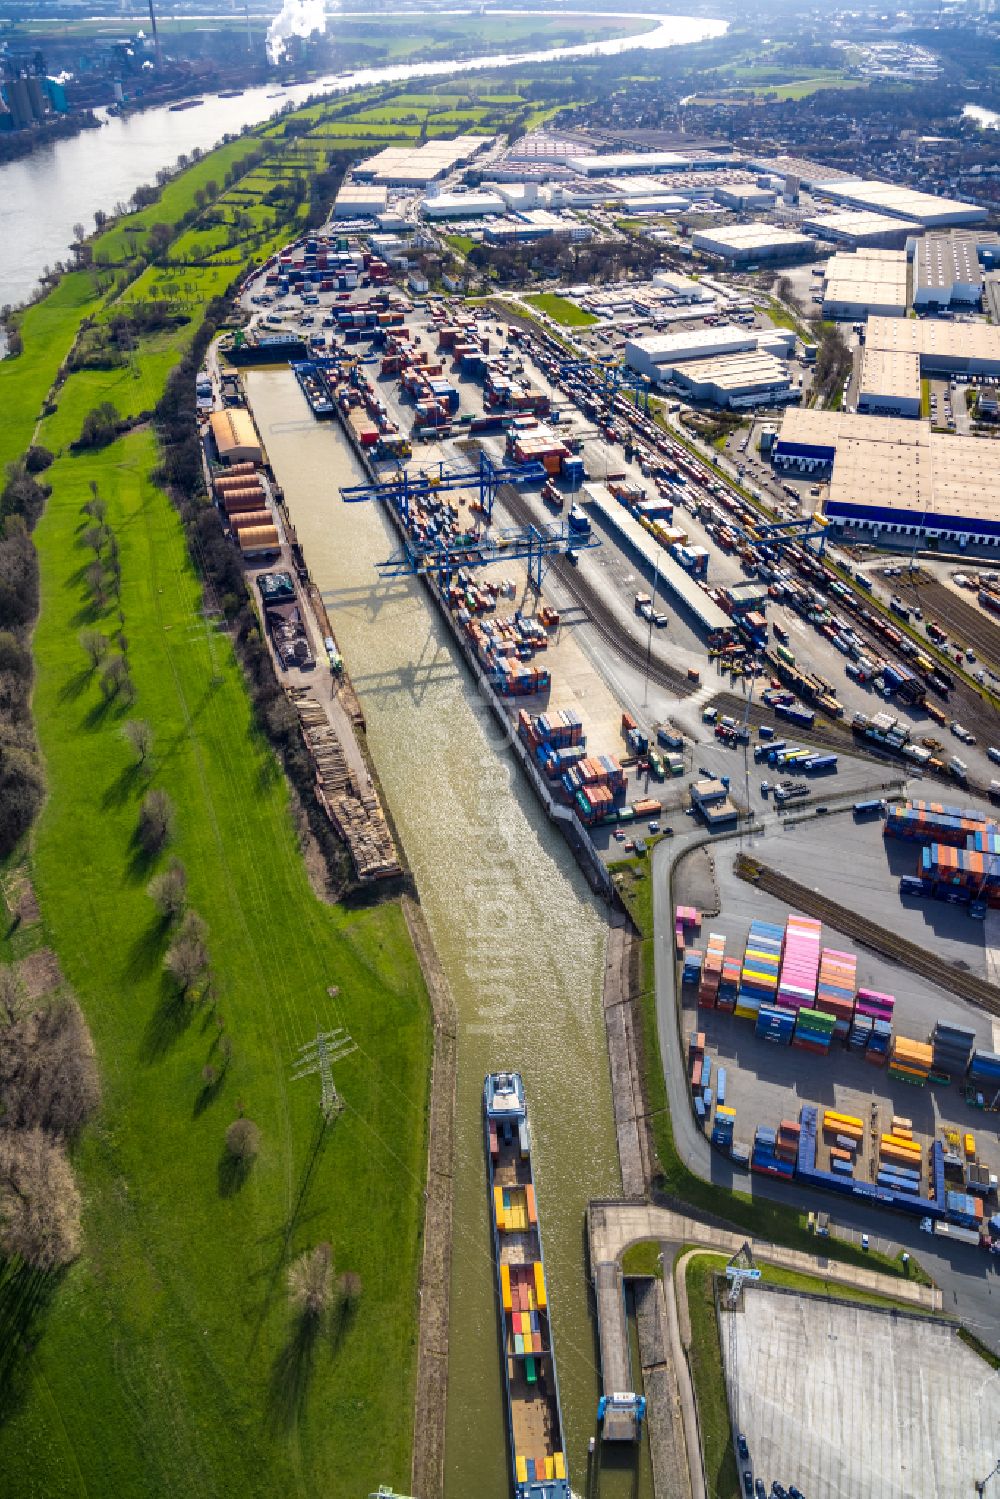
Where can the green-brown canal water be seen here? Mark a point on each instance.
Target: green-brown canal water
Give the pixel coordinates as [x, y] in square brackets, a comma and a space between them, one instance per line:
[519, 934]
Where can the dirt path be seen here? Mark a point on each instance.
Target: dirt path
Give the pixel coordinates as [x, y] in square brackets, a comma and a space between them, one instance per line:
[430, 1405]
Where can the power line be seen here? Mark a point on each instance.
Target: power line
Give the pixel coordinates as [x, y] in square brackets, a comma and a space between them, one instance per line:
[318, 1057]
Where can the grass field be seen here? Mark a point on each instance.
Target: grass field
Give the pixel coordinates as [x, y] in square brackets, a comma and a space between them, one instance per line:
[168, 1365]
[167, 1361]
[561, 309]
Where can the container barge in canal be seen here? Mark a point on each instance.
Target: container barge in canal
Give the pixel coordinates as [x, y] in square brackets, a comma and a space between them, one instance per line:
[534, 1414]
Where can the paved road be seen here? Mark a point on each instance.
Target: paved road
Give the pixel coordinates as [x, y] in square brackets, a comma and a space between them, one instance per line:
[968, 1278]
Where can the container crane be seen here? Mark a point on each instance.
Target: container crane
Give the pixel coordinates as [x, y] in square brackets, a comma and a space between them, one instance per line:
[442, 554]
[612, 378]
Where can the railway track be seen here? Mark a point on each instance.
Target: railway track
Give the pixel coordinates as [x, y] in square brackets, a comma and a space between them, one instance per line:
[599, 615]
[965, 624]
[868, 934]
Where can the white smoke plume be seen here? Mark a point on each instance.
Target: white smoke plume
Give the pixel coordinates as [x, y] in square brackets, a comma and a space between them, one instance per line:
[296, 18]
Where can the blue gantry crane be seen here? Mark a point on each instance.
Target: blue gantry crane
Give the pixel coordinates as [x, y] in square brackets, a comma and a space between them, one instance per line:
[441, 552]
[406, 486]
[612, 378]
[774, 536]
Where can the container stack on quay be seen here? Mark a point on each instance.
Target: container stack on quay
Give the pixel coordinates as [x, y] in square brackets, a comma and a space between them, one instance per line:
[873, 1012]
[687, 922]
[960, 857]
[910, 1061]
[761, 966]
[711, 971]
[984, 1074]
[952, 1047]
[836, 987]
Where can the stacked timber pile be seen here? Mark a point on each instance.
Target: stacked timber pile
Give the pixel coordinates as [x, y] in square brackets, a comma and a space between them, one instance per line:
[352, 807]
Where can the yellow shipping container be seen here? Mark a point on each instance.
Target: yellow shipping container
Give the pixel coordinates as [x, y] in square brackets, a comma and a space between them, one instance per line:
[540, 1284]
[970, 1147]
[521, 1468]
[498, 1207]
[560, 1465]
[505, 1287]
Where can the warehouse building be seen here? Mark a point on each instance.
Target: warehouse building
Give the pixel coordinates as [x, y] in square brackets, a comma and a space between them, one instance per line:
[745, 198]
[623, 163]
[899, 202]
[944, 348]
[536, 223]
[948, 268]
[679, 291]
[858, 228]
[657, 356]
[728, 366]
[866, 284]
[893, 478]
[737, 381]
[888, 383]
[740, 244]
[798, 167]
[357, 200]
[470, 205]
[235, 436]
[417, 166]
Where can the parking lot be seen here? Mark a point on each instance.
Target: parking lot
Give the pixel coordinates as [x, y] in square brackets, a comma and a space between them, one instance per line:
[852, 1401]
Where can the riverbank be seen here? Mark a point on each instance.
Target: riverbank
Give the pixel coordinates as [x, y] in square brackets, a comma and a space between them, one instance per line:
[174, 1326]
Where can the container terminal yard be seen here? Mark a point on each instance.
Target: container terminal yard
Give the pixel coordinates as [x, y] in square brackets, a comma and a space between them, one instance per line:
[681, 663]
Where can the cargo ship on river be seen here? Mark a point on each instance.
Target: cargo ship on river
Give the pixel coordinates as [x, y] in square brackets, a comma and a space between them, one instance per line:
[534, 1414]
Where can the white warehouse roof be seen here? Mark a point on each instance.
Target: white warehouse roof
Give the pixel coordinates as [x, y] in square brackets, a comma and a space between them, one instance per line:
[900, 202]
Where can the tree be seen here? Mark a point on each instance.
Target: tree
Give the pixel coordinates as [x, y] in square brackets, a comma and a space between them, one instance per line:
[115, 679]
[79, 232]
[187, 956]
[349, 1289]
[101, 426]
[243, 1140]
[95, 507]
[156, 821]
[95, 646]
[160, 236]
[37, 459]
[48, 1071]
[139, 735]
[168, 891]
[11, 995]
[39, 1201]
[310, 1281]
[97, 584]
[96, 538]
[21, 791]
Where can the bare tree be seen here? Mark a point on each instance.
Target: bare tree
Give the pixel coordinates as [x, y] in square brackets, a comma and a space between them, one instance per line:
[156, 821]
[48, 1071]
[97, 584]
[139, 735]
[115, 679]
[349, 1289]
[168, 891]
[95, 507]
[95, 646]
[310, 1281]
[187, 956]
[39, 1201]
[243, 1140]
[11, 994]
[96, 538]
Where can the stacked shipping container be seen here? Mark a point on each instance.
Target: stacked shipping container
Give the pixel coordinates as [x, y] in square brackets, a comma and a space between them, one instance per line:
[761, 965]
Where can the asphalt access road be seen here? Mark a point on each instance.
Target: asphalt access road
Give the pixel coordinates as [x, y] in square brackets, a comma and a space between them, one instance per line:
[969, 1278]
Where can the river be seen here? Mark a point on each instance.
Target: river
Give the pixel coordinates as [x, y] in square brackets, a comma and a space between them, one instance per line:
[519, 934]
[986, 119]
[45, 194]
